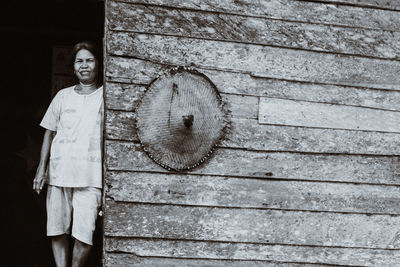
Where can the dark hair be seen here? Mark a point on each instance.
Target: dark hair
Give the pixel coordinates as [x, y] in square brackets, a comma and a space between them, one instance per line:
[95, 50]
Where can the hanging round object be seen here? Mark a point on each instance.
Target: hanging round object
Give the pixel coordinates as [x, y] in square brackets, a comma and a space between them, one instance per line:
[180, 119]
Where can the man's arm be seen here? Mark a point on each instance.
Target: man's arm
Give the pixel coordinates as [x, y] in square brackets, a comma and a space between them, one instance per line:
[41, 176]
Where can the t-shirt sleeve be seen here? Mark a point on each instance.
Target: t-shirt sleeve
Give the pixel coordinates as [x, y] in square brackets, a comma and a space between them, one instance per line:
[52, 116]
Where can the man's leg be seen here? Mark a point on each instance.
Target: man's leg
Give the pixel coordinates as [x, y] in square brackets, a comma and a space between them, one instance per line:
[86, 202]
[60, 245]
[80, 253]
[58, 206]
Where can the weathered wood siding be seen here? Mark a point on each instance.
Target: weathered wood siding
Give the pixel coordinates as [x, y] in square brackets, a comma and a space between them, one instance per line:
[309, 172]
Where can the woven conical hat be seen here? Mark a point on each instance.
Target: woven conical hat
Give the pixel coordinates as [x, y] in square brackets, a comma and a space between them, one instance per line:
[180, 119]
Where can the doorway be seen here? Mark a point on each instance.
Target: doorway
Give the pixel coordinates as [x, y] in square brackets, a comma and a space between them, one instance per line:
[32, 32]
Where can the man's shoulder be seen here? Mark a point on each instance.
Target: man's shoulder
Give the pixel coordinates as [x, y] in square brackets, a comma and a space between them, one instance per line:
[63, 93]
[66, 90]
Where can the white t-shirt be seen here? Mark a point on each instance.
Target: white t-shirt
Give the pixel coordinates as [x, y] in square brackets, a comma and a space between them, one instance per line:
[75, 154]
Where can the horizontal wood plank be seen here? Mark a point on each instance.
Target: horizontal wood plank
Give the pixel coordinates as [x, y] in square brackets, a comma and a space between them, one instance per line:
[249, 225]
[302, 11]
[385, 4]
[307, 114]
[120, 125]
[132, 70]
[249, 134]
[226, 27]
[124, 96]
[258, 70]
[243, 253]
[237, 105]
[251, 193]
[243, 163]
[121, 259]
[270, 62]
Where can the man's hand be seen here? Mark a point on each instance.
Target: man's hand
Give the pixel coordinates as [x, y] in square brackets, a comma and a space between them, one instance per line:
[39, 181]
[42, 170]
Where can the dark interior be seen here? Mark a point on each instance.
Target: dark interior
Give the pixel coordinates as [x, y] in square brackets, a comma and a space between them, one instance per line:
[29, 31]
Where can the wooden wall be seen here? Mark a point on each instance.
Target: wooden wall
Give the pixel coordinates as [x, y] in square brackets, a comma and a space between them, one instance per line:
[309, 174]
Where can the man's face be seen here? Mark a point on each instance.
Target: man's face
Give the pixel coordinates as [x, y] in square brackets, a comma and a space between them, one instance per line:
[85, 66]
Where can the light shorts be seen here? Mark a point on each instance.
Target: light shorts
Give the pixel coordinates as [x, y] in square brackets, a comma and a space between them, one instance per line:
[79, 206]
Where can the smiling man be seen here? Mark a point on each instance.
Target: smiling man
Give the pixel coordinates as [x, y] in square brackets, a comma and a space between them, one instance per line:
[71, 152]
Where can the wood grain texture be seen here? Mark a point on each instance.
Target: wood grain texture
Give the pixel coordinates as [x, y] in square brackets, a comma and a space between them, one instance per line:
[307, 114]
[266, 197]
[121, 125]
[270, 62]
[132, 70]
[120, 259]
[243, 163]
[250, 225]
[245, 252]
[186, 189]
[240, 106]
[365, 42]
[384, 4]
[301, 11]
[123, 96]
[127, 97]
[249, 134]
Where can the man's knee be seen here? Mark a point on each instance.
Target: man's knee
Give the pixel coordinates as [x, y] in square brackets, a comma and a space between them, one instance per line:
[80, 253]
[60, 245]
[63, 237]
[60, 242]
[80, 244]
